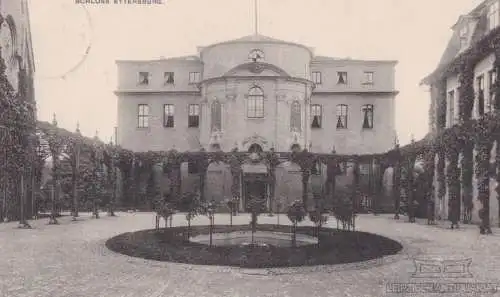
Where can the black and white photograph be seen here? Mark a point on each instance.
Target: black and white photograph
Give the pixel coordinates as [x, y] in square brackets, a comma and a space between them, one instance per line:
[249, 148]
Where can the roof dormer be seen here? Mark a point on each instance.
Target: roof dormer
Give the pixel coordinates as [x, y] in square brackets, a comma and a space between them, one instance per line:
[464, 28]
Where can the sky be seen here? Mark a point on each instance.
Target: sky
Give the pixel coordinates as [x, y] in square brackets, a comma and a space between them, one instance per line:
[76, 45]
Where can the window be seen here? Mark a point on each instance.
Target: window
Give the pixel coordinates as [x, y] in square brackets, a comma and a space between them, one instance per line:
[255, 108]
[367, 111]
[194, 77]
[342, 78]
[295, 117]
[368, 78]
[168, 115]
[492, 76]
[193, 115]
[463, 37]
[480, 94]
[316, 116]
[341, 116]
[316, 77]
[143, 78]
[143, 116]
[451, 107]
[493, 16]
[216, 111]
[169, 78]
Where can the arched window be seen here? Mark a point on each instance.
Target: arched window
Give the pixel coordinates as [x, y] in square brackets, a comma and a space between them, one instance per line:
[367, 111]
[295, 117]
[255, 148]
[295, 148]
[255, 107]
[216, 112]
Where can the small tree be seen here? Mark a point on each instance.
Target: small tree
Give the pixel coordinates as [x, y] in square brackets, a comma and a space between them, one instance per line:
[257, 205]
[192, 205]
[343, 208]
[208, 209]
[232, 204]
[296, 214]
[165, 210]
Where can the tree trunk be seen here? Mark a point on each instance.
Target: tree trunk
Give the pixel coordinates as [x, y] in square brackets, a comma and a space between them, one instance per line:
[53, 214]
[483, 180]
[467, 165]
[396, 191]
[189, 229]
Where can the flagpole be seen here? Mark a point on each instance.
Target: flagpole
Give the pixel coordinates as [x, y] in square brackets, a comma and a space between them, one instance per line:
[255, 17]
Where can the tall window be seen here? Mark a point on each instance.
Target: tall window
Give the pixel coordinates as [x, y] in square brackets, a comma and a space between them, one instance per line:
[480, 94]
[368, 78]
[490, 102]
[143, 78]
[342, 78]
[255, 108]
[295, 117]
[193, 115]
[316, 77]
[168, 115]
[493, 16]
[143, 116]
[316, 115]
[451, 107]
[341, 116]
[367, 111]
[168, 77]
[194, 77]
[216, 111]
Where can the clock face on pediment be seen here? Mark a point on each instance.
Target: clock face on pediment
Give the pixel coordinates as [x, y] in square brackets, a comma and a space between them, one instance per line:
[256, 55]
[9, 54]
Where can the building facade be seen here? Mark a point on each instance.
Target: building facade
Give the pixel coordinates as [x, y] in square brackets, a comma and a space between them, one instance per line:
[256, 90]
[15, 42]
[446, 101]
[256, 93]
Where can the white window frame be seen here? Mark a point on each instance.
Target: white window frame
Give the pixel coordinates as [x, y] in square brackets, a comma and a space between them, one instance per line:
[316, 77]
[194, 77]
[368, 77]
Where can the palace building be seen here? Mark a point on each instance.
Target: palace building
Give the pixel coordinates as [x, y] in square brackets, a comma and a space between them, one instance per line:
[256, 93]
[469, 32]
[259, 91]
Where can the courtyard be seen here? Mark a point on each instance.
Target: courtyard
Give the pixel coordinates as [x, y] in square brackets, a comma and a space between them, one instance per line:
[71, 259]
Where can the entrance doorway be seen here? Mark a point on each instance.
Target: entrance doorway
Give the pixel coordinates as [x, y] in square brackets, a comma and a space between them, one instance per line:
[254, 185]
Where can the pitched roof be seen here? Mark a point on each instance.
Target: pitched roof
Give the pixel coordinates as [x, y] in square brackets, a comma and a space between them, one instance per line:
[453, 47]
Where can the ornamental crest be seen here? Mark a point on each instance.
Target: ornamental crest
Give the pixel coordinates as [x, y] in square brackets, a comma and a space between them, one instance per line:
[255, 139]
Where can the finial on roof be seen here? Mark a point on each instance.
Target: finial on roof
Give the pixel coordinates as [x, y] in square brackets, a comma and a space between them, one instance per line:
[96, 134]
[54, 120]
[396, 141]
[78, 127]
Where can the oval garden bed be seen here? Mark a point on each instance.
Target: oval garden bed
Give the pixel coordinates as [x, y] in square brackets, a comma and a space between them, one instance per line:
[171, 244]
